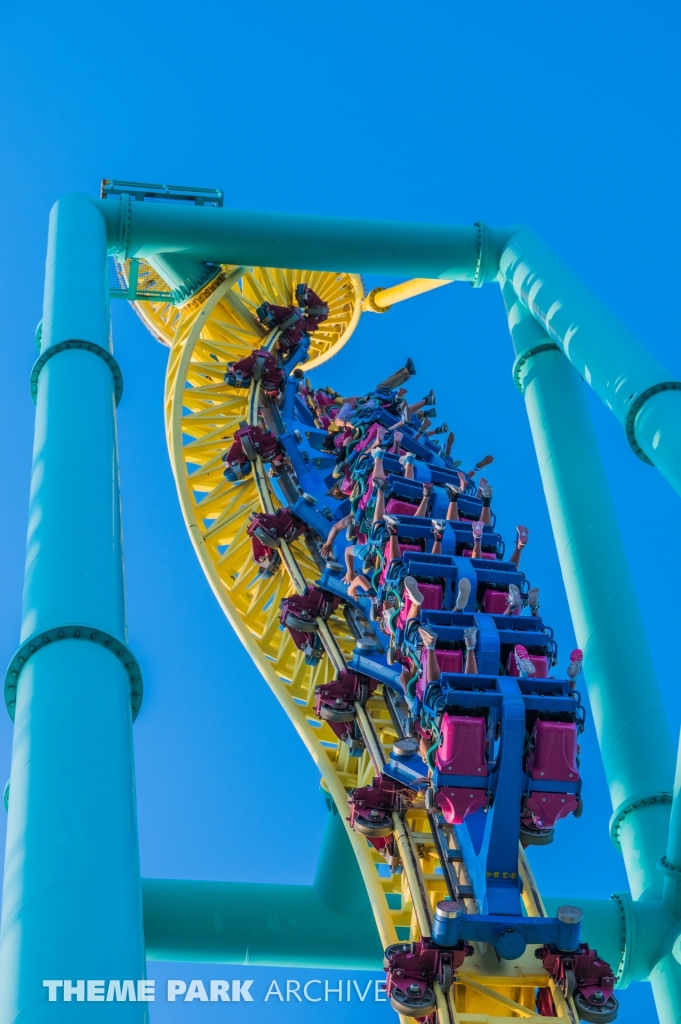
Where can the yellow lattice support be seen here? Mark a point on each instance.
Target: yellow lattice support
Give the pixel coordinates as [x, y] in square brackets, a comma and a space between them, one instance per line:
[202, 414]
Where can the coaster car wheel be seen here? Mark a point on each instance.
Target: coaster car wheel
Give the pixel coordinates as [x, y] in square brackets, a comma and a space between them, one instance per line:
[391, 951]
[341, 714]
[594, 1014]
[413, 1006]
[536, 836]
[269, 540]
[378, 828]
[249, 450]
[446, 978]
[301, 625]
[568, 984]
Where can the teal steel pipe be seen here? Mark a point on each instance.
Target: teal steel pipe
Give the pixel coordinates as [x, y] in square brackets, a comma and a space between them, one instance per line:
[208, 235]
[657, 428]
[670, 864]
[629, 715]
[633, 383]
[327, 925]
[71, 904]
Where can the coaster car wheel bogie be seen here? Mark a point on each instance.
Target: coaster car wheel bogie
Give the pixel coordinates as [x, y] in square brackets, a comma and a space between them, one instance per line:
[413, 1006]
[378, 828]
[594, 1014]
[340, 714]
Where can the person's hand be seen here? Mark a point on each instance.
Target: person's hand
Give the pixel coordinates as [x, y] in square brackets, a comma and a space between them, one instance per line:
[326, 550]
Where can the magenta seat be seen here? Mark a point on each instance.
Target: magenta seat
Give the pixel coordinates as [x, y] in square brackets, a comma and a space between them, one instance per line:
[395, 507]
[468, 553]
[364, 500]
[461, 750]
[554, 753]
[495, 602]
[541, 665]
[457, 803]
[543, 810]
[403, 548]
[432, 601]
[448, 661]
[368, 438]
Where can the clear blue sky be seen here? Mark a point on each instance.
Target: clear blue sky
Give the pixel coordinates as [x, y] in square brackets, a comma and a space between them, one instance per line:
[563, 116]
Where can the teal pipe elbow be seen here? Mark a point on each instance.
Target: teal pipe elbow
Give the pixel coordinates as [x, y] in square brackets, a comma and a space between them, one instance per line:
[633, 383]
[326, 925]
[629, 715]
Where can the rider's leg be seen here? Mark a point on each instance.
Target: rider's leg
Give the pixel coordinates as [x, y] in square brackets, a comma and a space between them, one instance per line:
[523, 536]
[470, 636]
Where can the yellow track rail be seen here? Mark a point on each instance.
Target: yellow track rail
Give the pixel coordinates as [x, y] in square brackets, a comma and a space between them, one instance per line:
[202, 414]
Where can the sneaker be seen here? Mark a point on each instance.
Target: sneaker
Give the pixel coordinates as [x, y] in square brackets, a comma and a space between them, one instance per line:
[450, 444]
[407, 460]
[442, 429]
[439, 526]
[488, 459]
[429, 399]
[428, 414]
[453, 493]
[522, 659]
[428, 636]
[486, 494]
[478, 527]
[456, 463]
[410, 366]
[463, 593]
[411, 587]
[350, 534]
[523, 535]
[514, 598]
[377, 454]
[392, 522]
[533, 599]
[575, 666]
[470, 637]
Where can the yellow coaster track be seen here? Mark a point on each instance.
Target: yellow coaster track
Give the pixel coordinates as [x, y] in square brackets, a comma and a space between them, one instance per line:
[201, 415]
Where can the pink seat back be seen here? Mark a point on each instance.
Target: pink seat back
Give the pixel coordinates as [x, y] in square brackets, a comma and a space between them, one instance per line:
[462, 746]
[495, 602]
[468, 553]
[432, 601]
[403, 548]
[368, 438]
[396, 507]
[555, 751]
[541, 665]
[448, 661]
[364, 500]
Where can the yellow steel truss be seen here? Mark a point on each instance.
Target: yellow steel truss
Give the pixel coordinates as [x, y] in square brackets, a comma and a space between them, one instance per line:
[201, 415]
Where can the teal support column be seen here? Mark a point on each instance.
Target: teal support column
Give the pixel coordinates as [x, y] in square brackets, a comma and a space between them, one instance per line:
[326, 925]
[629, 716]
[71, 905]
[641, 392]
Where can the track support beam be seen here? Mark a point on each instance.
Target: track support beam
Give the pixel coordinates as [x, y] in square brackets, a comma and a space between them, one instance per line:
[72, 895]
